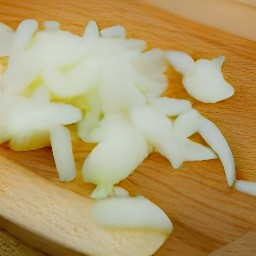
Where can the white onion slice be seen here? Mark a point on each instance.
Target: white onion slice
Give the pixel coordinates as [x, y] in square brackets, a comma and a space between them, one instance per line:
[203, 79]
[248, 187]
[6, 40]
[120, 192]
[114, 159]
[72, 83]
[115, 31]
[30, 120]
[51, 25]
[58, 49]
[135, 45]
[181, 61]
[88, 129]
[21, 71]
[170, 107]
[62, 152]
[151, 62]
[131, 213]
[192, 122]
[187, 123]
[158, 130]
[150, 86]
[91, 31]
[23, 35]
[41, 94]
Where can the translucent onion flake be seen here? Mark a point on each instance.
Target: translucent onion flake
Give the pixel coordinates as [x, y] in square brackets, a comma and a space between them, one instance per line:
[202, 79]
[130, 212]
[62, 152]
[248, 187]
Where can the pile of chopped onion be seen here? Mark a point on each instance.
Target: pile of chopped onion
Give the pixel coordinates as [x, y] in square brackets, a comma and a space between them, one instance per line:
[112, 88]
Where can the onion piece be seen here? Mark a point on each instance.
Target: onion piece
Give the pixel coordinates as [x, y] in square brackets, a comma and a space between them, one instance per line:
[6, 40]
[158, 130]
[114, 159]
[120, 192]
[203, 79]
[27, 124]
[24, 34]
[51, 25]
[130, 213]
[22, 70]
[58, 49]
[91, 31]
[137, 45]
[115, 31]
[170, 107]
[75, 82]
[191, 122]
[248, 187]
[62, 152]
[181, 61]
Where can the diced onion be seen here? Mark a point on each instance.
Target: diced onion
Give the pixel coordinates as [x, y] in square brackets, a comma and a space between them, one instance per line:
[6, 40]
[170, 107]
[248, 187]
[192, 122]
[202, 79]
[115, 31]
[51, 25]
[114, 88]
[24, 34]
[62, 152]
[114, 159]
[128, 212]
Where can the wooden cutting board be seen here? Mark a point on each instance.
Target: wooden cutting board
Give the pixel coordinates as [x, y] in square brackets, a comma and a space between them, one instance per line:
[208, 216]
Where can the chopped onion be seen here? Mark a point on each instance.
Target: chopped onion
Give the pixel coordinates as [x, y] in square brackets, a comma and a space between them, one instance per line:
[72, 83]
[248, 187]
[6, 40]
[192, 122]
[115, 31]
[181, 61]
[202, 79]
[118, 86]
[52, 25]
[114, 159]
[158, 130]
[120, 192]
[26, 124]
[62, 152]
[170, 107]
[91, 31]
[128, 212]
[24, 34]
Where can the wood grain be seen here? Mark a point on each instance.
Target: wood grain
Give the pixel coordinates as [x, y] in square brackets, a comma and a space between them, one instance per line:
[234, 16]
[58, 216]
[242, 246]
[207, 215]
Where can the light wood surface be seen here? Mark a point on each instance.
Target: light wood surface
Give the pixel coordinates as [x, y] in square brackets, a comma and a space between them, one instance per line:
[207, 215]
[234, 16]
